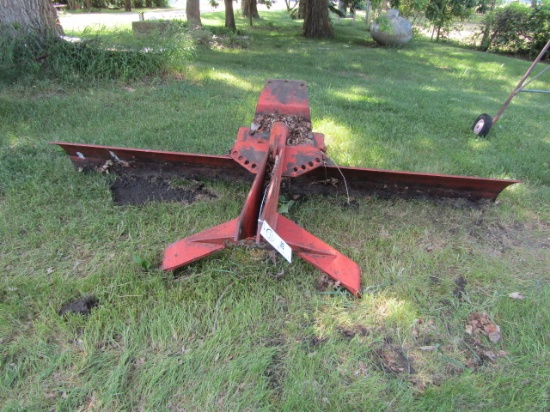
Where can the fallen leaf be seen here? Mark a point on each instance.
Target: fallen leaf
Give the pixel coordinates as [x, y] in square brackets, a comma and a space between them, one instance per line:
[516, 295]
[494, 337]
[493, 332]
[480, 324]
[428, 347]
[491, 328]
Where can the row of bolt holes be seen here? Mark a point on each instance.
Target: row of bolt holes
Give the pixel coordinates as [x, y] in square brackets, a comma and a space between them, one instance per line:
[253, 165]
[304, 167]
[246, 162]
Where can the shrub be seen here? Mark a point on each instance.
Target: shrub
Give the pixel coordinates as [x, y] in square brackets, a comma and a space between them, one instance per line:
[540, 22]
[201, 36]
[96, 55]
[517, 29]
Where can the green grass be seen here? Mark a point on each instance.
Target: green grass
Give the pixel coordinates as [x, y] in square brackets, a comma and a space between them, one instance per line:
[226, 333]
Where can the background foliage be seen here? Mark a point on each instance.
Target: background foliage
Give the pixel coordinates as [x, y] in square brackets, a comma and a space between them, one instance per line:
[119, 4]
[517, 29]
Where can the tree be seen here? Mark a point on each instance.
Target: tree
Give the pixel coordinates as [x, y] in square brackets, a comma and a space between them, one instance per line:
[441, 13]
[193, 11]
[127, 5]
[317, 23]
[250, 8]
[301, 10]
[229, 15]
[23, 17]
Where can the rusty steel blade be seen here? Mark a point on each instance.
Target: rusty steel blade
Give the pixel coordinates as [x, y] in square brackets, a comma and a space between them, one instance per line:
[322, 179]
[189, 165]
[389, 183]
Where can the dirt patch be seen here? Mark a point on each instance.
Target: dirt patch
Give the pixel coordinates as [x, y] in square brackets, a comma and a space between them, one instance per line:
[80, 306]
[300, 131]
[349, 332]
[327, 284]
[275, 371]
[315, 341]
[460, 288]
[133, 189]
[480, 353]
[392, 359]
[505, 237]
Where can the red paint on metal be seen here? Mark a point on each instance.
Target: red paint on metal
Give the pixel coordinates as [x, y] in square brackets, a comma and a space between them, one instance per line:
[406, 184]
[284, 97]
[198, 246]
[248, 219]
[277, 141]
[324, 257]
[255, 212]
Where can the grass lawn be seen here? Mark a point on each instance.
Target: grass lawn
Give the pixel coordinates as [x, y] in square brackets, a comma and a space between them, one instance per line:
[236, 331]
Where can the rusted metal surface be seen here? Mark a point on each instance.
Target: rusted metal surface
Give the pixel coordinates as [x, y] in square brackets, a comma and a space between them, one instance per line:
[278, 159]
[386, 183]
[194, 166]
[284, 97]
[250, 147]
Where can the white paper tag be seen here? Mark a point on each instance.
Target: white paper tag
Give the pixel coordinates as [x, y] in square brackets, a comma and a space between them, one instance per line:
[275, 240]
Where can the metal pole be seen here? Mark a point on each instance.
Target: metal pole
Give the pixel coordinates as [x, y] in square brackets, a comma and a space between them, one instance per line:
[520, 84]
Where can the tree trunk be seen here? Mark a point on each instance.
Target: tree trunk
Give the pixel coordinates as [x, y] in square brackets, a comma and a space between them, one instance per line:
[229, 15]
[22, 17]
[250, 8]
[89, 5]
[302, 9]
[72, 5]
[193, 11]
[316, 23]
[127, 5]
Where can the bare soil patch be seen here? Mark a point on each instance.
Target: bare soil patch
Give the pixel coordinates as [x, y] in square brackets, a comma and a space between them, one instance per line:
[80, 306]
[391, 359]
[137, 189]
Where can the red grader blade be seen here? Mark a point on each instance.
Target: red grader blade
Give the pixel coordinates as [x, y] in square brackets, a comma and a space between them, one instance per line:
[278, 150]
